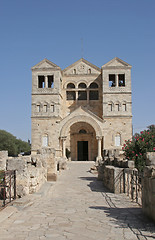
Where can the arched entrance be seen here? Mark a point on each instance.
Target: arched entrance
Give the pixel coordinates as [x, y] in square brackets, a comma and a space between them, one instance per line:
[82, 137]
[82, 142]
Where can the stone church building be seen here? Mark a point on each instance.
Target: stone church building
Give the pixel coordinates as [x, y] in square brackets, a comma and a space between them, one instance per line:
[82, 109]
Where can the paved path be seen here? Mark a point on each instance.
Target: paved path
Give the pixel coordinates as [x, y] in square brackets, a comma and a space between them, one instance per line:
[76, 207]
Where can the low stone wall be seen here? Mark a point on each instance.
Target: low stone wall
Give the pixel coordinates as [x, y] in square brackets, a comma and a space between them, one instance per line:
[120, 176]
[113, 178]
[148, 192]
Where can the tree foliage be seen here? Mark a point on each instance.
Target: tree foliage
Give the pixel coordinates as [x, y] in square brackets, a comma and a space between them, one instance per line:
[11, 144]
[140, 144]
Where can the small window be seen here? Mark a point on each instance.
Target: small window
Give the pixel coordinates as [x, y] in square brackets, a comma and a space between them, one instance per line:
[124, 107]
[38, 108]
[121, 80]
[93, 85]
[41, 81]
[93, 95]
[74, 71]
[110, 107]
[45, 108]
[52, 108]
[45, 141]
[82, 131]
[70, 85]
[82, 95]
[70, 95]
[89, 71]
[117, 140]
[82, 85]
[117, 107]
[112, 81]
[50, 81]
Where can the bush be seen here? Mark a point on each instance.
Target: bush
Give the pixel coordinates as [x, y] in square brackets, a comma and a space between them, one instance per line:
[140, 144]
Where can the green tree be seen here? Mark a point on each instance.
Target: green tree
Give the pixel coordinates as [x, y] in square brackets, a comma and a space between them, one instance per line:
[140, 144]
[11, 144]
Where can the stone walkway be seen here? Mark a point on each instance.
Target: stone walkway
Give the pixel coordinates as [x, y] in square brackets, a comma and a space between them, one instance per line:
[76, 207]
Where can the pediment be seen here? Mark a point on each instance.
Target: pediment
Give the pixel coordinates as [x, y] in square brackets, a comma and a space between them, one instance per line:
[45, 64]
[81, 67]
[116, 62]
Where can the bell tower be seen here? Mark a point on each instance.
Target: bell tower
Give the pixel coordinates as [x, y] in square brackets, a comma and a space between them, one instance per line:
[117, 103]
[46, 102]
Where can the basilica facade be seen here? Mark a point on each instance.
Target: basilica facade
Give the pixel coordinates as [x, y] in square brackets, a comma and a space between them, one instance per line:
[81, 110]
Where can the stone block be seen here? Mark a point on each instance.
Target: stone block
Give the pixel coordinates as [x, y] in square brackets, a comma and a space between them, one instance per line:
[150, 158]
[131, 164]
[51, 177]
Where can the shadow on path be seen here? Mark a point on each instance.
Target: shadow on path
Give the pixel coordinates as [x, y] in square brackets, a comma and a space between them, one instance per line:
[121, 211]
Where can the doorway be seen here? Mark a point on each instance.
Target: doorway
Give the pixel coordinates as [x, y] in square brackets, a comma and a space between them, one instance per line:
[82, 150]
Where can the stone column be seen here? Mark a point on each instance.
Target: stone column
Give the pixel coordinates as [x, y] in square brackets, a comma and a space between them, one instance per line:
[116, 80]
[76, 96]
[64, 147]
[87, 97]
[99, 156]
[46, 82]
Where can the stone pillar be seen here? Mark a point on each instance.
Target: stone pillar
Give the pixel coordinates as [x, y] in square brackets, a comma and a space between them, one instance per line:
[76, 96]
[87, 96]
[46, 82]
[99, 155]
[64, 147]
[116, 80]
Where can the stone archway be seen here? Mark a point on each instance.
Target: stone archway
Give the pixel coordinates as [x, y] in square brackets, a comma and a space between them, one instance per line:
[81, 119]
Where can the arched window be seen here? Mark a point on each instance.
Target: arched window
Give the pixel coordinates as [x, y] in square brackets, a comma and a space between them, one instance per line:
[124, 108]
[45, 141]
[82, 85]
[93, 95]
[45, 108]
[83, 131]
[93, 85]
[117, 140]
[70, 95]
[89, 71]
[70, 85]
[38, 108]
[82, 95]
[110, 107]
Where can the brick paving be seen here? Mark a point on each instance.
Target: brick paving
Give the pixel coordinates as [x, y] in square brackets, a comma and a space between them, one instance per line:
[76, 207]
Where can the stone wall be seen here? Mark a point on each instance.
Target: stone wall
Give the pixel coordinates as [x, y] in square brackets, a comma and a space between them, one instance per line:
[148, 192]
[3, 157]
[31, 171]
[119, 175]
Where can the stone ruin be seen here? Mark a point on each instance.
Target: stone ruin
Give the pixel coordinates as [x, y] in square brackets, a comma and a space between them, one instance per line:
[31, 171]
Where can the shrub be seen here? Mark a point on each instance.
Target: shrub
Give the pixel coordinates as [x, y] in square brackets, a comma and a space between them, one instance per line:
[136, 148]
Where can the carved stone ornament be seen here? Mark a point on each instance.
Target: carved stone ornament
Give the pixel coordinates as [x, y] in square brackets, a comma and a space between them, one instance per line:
[81, 67]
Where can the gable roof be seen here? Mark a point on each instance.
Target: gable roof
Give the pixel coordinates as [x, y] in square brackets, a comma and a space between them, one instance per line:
[116, 62]
[82, 60]
[45, 64]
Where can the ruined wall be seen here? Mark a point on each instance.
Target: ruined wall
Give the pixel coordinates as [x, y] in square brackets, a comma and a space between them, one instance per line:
[31, 171]
[148, 191]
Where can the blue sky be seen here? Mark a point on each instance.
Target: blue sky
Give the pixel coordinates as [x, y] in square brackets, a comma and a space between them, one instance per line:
[32, 30]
